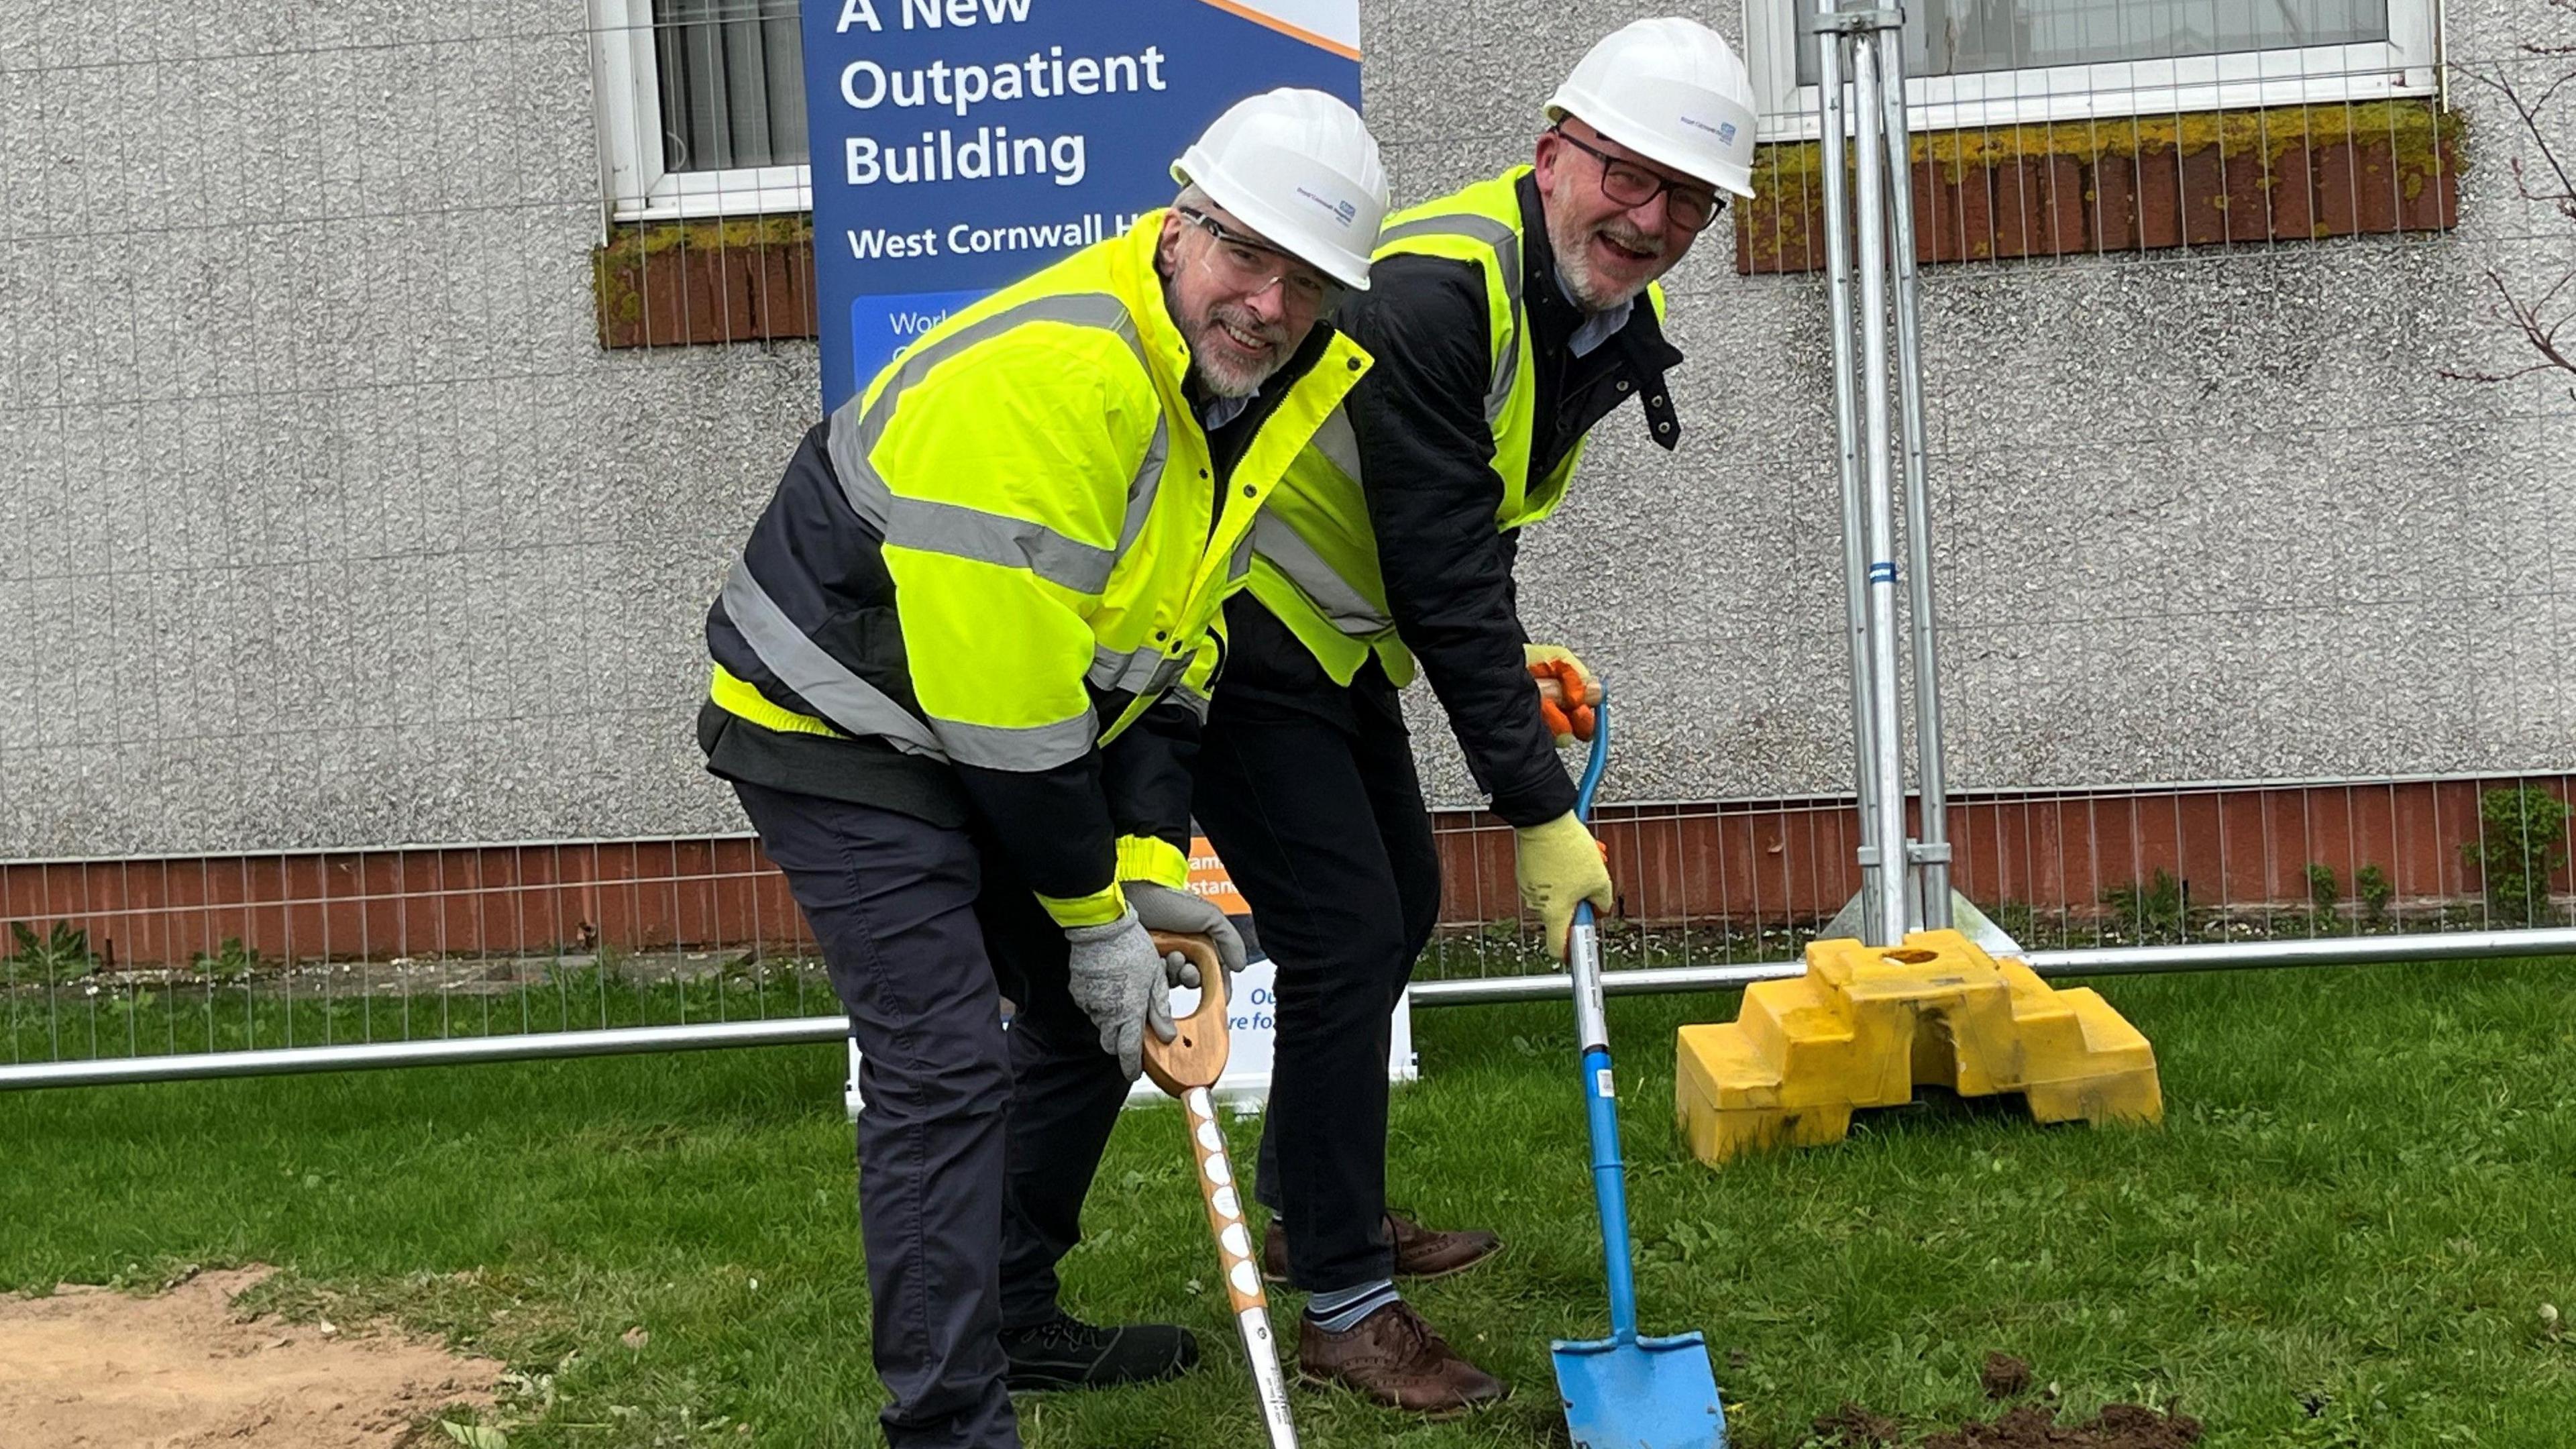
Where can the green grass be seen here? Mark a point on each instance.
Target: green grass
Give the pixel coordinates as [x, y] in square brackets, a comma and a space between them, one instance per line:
[2342, 1237]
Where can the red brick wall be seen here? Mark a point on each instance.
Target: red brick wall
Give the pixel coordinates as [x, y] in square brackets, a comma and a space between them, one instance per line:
[1745, 863]
[2137, 185]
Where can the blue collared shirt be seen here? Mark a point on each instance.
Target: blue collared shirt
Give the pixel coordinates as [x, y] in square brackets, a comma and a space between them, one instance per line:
[1597, 327]
[1216, 412]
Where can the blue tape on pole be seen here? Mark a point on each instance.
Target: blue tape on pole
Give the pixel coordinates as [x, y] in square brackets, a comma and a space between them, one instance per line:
[1882, 573]
[960, 145]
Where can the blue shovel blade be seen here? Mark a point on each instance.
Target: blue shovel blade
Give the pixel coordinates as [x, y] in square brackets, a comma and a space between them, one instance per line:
[1656, 1393]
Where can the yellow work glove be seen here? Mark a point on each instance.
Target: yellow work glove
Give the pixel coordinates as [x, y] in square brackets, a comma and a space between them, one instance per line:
[1560, 865]
[1565, 690]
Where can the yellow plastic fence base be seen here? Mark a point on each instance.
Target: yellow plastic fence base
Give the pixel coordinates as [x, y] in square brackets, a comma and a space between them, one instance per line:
[1867, 1025]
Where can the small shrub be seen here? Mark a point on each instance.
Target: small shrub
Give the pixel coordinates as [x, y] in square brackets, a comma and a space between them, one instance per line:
[2522, 841]
[2156, 910]
[2376, 890]
[231, 961]
[2323, 893]
[54, 957]
[2014, 919]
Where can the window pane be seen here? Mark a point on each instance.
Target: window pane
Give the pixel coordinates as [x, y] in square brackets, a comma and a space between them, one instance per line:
[1961, 37]
[733, 83]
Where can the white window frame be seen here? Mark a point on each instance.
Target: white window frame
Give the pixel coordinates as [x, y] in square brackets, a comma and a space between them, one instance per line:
[626, 79]
[2407, 64]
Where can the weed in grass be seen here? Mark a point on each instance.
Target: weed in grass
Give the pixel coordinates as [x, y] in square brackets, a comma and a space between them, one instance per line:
[2015, 919]
[2324, 893]
[50, 958]
[231, 961]
[2157, 910]
[2376, 890]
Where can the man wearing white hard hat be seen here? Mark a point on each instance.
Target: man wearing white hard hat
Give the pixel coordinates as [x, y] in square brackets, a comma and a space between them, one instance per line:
[959, 674]
[1507, 320]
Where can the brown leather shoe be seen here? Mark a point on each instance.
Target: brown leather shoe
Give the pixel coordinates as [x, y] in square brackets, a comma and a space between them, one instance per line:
[1394, 1357]
[1420, 1252]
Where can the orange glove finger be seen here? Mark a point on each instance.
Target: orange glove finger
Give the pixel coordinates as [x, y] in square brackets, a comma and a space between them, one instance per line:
[1581, 720]
[1556, 677]
[1558, 726]
[1576, 693]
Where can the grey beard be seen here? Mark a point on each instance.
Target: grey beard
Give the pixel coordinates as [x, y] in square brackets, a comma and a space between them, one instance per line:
[1216, 386]
[1576, 266]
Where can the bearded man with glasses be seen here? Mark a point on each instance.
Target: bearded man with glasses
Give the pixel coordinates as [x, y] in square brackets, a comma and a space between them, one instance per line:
[1506, 320]
[958, 675]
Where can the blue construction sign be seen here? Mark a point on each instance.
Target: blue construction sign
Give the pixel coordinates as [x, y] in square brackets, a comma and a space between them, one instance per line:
[959, 145]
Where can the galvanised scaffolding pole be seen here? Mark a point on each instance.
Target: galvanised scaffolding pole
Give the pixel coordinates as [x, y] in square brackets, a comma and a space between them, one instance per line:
[1931, 854]
[1838, 271]
[1905, 880]
[1640, 981]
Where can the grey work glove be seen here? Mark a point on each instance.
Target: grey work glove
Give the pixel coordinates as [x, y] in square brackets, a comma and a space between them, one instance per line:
[1118, 979]
[1162, 908]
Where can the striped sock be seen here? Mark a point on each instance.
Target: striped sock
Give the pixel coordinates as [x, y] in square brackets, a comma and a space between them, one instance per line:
[1342, 1309]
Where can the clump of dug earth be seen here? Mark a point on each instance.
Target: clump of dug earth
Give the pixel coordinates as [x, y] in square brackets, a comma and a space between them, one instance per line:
[2031, 1426]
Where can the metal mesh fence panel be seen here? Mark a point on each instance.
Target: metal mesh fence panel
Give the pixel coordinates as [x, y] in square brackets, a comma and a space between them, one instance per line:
[381, 396]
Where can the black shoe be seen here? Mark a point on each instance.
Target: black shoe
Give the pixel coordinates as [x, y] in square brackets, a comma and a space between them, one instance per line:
[1067, 1353]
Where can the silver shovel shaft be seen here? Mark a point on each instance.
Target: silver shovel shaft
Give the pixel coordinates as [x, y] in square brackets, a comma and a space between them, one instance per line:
[1242, 1273]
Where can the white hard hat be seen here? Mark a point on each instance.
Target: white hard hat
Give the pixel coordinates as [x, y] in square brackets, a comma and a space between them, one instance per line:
[1674, 92]
[1300, 168]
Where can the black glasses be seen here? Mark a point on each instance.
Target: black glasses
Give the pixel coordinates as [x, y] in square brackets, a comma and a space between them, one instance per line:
[1250, 265]
[1629, 184]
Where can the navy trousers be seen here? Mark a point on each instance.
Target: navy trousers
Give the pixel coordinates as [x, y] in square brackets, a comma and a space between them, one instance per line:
[1316, 809]
[976, 1146]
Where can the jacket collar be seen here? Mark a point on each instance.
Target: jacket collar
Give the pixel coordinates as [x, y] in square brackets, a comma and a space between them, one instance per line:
[1132, 273]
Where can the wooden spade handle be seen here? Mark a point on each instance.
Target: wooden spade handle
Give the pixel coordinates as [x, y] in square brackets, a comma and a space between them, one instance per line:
[1195, 1057]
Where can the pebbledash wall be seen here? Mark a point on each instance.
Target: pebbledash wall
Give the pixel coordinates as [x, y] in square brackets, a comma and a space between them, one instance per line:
[327, 524]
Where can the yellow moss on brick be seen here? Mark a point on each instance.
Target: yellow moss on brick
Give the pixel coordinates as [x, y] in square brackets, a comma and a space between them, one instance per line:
[614, 267]
[2415, 130]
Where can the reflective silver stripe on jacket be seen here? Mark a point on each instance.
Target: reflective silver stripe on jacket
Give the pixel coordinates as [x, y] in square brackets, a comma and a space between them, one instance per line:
[1341, 603]
[844, 698]
[1148, 481]
[958, 532]
[1138, 671]
[1339, 445]
[1025, 749]
[863, 709]
[972, 533]
[1506, 243]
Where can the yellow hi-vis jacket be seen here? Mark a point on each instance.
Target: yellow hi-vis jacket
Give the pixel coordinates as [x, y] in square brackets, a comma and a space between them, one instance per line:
[1315, 558]
[1015, 550]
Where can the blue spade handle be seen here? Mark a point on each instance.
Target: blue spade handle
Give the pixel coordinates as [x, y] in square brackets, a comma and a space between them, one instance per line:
[1600, 1095]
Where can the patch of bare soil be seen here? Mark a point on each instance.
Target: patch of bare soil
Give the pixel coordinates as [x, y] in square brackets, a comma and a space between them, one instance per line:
[89, 1368]
[2032, 1426]
[2120, 1426]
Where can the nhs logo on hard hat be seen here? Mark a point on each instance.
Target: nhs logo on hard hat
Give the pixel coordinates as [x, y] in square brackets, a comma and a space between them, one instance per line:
[1723, 130]
[1343, 211]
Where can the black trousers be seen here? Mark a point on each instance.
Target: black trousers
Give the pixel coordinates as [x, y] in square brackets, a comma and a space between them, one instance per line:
[1309, 794]
[976, 1145]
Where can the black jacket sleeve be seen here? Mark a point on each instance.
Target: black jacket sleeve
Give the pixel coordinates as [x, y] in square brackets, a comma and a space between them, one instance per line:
[1146, 773]
[1059, 827]
[1419, 419]
[1053, 825]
